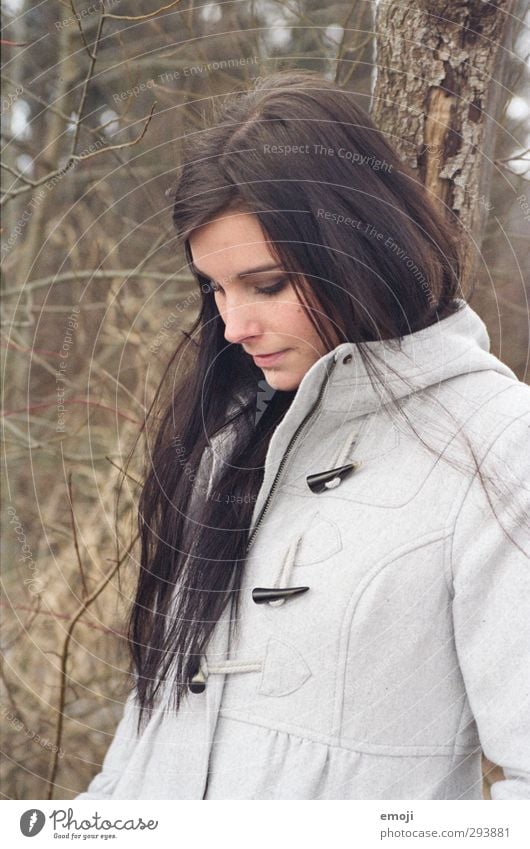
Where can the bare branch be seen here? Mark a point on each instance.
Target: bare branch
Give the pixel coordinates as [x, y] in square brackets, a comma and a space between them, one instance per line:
[68, 276]
[17, 174]
[142, 17]
[42, 406]
[78, 158]
[83, 607]
[24, 628]
[84, 91]
[81, 30]
[99, 368]
[73, 524]
[82, 156]
[123, 472]
[62, 616]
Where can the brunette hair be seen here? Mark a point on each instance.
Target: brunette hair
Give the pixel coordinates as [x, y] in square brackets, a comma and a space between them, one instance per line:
[301, 155]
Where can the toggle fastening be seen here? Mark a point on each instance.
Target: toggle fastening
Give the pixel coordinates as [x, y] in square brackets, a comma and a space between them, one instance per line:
[197, 684]
[261, 595]
[330, 479]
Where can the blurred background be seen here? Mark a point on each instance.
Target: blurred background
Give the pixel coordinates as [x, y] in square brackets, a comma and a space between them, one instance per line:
[96, 294]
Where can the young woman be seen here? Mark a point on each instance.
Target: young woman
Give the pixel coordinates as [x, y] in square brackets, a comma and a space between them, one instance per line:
[333, 600]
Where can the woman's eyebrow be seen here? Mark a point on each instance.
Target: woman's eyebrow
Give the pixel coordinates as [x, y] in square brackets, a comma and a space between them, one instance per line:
[257, 270]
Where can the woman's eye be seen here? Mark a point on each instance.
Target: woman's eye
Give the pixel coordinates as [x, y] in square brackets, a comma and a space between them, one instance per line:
[275, 287]
[260, 290]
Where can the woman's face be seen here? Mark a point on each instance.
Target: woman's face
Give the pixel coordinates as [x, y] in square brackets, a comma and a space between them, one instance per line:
[257, 303]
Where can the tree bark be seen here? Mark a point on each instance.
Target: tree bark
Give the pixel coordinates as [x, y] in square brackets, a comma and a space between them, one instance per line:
[439, 93]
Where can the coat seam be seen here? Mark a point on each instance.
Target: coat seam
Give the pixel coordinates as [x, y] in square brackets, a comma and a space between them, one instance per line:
[430, 538]
[356, 747]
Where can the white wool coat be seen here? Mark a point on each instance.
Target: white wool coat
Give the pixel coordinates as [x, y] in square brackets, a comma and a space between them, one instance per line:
[409, 653]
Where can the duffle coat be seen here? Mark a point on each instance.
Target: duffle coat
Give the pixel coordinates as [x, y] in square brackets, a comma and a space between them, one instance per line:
[383, 641]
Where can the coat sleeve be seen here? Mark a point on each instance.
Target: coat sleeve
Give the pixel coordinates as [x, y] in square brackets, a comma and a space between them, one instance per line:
[491, 605]
[118, 754]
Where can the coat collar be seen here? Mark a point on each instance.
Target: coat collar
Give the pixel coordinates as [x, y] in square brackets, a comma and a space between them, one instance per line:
[457, 345]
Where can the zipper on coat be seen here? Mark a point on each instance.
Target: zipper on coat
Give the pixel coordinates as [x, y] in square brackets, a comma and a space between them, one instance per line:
[265, 507]
[294, 439]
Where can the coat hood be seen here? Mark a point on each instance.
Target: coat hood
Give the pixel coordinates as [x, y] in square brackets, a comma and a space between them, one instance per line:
[456, 346]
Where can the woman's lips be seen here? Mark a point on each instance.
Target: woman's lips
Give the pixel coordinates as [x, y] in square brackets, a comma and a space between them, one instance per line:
[268, 359]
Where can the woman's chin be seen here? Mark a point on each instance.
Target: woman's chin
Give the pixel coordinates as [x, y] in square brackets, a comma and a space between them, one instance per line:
[283, 381]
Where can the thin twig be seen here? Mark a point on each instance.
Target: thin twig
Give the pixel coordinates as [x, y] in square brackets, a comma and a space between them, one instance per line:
[17, 174]
[14, 43]
[99, 369]
[83, 401]
[21, 437]
[354, 65]
[82, 32]
[86, 83]
[64, 616]
[78, 158]
[74, 533]
[82, 156]
[142, 17]
[83, 607]
[123, 472]
[342, 45]
[67, 276]
[55, 110]
[12, 701]
[24, 628]
[77, 126]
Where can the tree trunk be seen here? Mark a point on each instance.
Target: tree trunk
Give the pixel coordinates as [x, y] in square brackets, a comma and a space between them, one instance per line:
[439, 93]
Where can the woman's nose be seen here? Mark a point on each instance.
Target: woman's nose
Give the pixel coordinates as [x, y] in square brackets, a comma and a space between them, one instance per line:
[241, 321]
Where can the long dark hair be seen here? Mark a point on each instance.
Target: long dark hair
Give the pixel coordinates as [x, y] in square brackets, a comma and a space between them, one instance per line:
[303, 157]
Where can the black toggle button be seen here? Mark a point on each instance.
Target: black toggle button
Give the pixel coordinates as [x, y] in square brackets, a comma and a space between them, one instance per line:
[260, 595]
[323, 480]
[197, 684]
